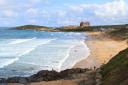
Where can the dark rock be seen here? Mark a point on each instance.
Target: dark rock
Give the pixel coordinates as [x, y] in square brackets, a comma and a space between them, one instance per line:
[22, 80]
[44, 75]
[2, 80]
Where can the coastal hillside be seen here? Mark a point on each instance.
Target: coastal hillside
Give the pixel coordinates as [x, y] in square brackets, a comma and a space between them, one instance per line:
[116, 71]
[118, 34]
[34, 27]
[73, 28]
[93, 28]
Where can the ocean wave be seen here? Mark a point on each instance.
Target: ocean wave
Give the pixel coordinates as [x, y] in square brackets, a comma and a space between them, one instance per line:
[27, 51]
[75, 54]
[6, 62]
[43, 41]
[65, 58]
[16, 49]
[18, 41]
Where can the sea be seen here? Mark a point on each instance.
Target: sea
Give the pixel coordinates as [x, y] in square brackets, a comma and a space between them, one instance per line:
[25, 52]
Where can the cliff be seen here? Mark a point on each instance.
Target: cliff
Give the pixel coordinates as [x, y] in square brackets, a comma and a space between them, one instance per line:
[115, 72]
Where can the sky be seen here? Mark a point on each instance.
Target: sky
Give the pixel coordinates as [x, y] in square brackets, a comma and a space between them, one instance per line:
[62, 12]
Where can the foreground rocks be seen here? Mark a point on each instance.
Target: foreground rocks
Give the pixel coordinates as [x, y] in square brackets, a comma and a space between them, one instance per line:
[45, 75]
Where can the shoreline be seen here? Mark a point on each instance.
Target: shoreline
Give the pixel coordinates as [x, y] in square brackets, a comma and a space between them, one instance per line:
[76, 54]
[102, 48]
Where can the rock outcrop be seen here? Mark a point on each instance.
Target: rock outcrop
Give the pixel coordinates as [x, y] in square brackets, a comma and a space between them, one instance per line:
[44, 75]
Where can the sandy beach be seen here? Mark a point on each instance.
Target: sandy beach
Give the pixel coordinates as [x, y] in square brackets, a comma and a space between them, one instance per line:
[103, 48]
[59, 82]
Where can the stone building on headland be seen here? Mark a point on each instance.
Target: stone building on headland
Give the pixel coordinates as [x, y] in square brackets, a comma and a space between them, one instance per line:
[84, 24]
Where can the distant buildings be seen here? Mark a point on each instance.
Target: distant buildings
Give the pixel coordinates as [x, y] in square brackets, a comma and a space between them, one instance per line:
[84, 24]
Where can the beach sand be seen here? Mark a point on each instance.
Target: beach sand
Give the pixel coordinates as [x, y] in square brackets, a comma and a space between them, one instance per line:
[59, 82]
[103, 48]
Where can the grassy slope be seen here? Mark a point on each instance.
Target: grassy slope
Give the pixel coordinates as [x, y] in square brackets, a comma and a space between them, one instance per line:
[116, 71]
[93, 28]
[119, 33]
[33, 27]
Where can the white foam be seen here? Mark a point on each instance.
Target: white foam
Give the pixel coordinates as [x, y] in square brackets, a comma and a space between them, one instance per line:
[19, 48]
[65, 58]
[87, 53]
[6, 62]
[34, 47]
[18, 41]
[73, 57]
[26, 52]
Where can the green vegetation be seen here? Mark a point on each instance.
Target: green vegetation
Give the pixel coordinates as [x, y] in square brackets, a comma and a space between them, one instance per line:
[93, 28]
[121, 34]
[30, 27]
[73, 28]
[116, 71]
[34, 27]
[77, 29]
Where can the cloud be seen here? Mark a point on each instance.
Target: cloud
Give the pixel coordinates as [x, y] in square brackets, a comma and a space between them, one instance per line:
[69, 21]
[115, 9]
[82, 7]
[32, 21]
[42, 11]
[9, 13]
[38, 1]
[35, 1]
[32, 12]
[61, 13]
[3, 2]
[45, 14]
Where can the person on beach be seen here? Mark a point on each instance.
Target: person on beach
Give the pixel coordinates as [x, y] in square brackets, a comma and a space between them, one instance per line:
[94, 68]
